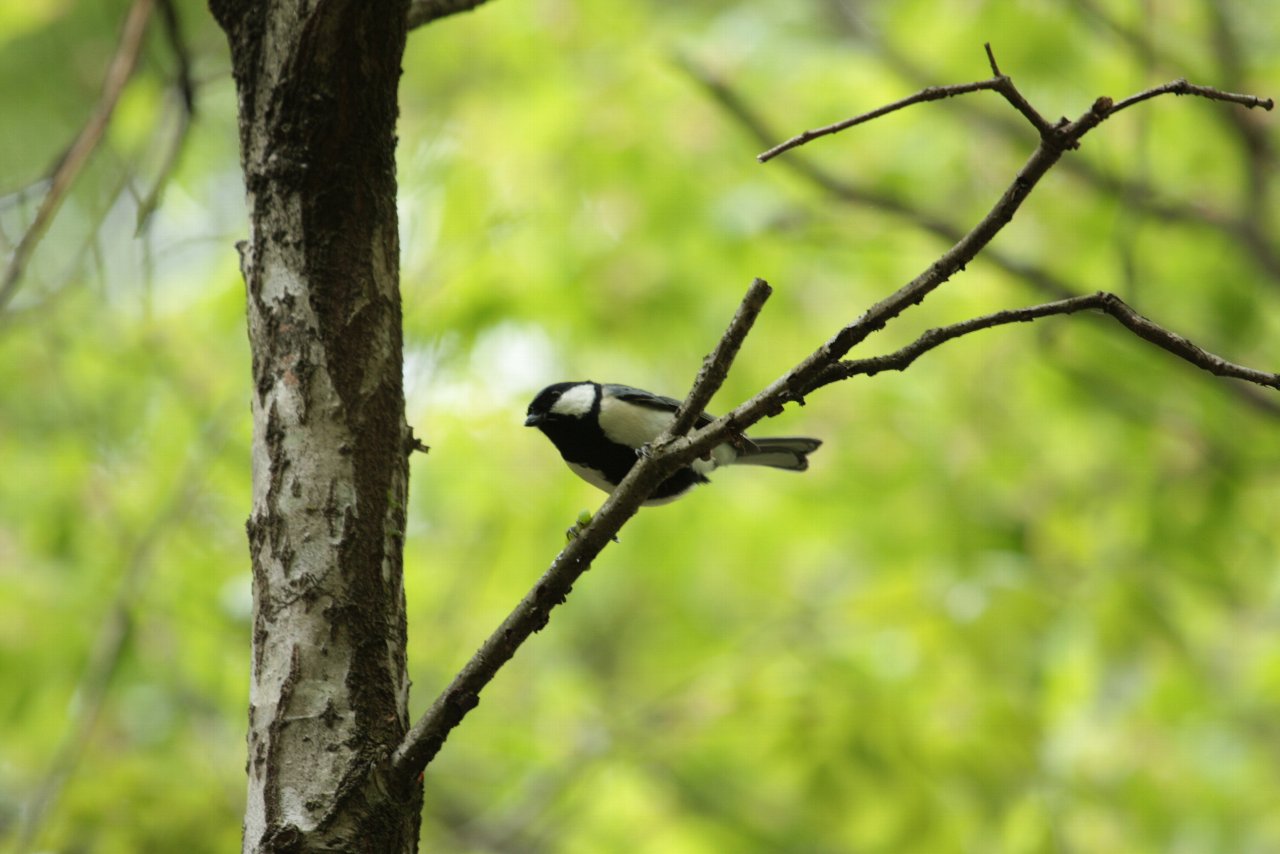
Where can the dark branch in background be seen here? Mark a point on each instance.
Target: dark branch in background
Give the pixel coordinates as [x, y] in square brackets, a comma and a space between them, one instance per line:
[173, 35]
[88, 254]
[425, 11]
[185, 89]
[71, 163]
[670, 451]
[1259, 153]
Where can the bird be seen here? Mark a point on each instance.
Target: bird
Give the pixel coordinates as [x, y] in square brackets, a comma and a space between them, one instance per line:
[600, 428]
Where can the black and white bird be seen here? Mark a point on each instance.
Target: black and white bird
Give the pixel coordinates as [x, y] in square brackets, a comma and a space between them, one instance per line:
[600, 427]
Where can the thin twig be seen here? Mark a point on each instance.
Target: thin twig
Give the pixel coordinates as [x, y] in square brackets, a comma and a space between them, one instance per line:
[68, 169]
[1004, 85]
[715, 368]
[185, 87]
[1182, 87]
[148, 204]
[932, 93]
[173, 35]
[1102, 301]
[1000, 83]
[991, 59]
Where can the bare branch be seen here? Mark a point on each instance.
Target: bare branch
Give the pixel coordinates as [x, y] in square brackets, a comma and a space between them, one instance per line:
[715, 368]
[991, 59]
[1103, 107]
[425, 11]
[185, 88]
[1182, 87]
[671, 450]
[1101, 301]
[1000, 83]
[173, 35]
[68, 169]
[932, 93]
[796, 383]
[1040, 278]
[424, 740]
[1248, 227]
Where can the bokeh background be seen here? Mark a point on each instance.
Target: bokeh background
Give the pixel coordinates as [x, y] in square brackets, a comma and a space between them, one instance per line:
[1025, 600]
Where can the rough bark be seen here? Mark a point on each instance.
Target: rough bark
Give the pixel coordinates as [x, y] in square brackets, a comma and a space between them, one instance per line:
[317, 85]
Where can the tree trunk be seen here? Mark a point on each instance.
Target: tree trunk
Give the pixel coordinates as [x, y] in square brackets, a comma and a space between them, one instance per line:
[317, 85]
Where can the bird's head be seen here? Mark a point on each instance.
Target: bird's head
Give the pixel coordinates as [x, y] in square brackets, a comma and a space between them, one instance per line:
[562, 403]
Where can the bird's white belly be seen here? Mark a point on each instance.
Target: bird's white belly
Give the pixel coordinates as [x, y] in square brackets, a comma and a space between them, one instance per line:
[591, 476]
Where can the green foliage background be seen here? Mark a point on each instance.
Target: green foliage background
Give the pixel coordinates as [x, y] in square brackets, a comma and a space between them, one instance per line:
[1026, 599]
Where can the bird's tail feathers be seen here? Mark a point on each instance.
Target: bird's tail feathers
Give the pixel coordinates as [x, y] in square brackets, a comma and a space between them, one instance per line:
[779, 452]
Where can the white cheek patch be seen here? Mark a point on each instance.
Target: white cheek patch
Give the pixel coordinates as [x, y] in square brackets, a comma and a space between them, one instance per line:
[575, 402]
[631, 425]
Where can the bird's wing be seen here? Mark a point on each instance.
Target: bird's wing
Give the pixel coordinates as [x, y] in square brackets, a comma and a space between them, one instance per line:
[648, 399]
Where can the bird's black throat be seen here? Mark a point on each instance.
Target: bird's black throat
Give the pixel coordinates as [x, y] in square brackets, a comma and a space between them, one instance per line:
[582, 442]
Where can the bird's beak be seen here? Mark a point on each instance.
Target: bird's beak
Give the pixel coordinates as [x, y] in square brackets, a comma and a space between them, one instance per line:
[533, 421]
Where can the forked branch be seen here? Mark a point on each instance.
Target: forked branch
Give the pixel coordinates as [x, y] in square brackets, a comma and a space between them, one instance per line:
[1107, 303]
[1068, 133]
[825, 365]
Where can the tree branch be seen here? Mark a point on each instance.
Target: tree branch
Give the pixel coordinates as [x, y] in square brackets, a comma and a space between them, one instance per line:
[932, 93]
[670, 451]
[1246, 226]
[1102, 301]
[425, 11]
[1182, 87]
[848, 192]
[185, 88]
[424, 740]
[1038, 277]
[1064, 136]
[715, 367]
[1000, 83]
[68, 168]
[1004, 85]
